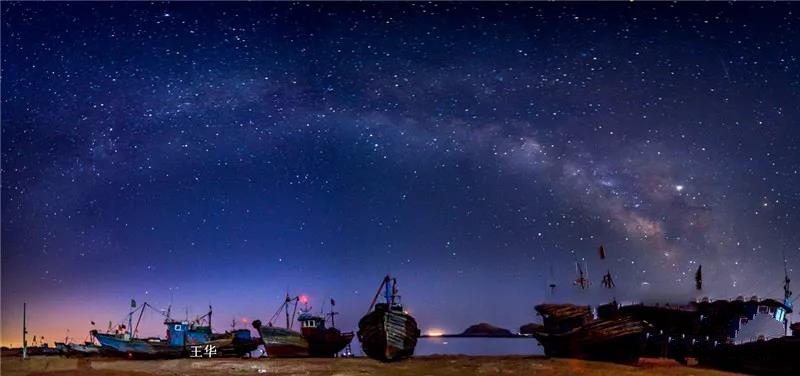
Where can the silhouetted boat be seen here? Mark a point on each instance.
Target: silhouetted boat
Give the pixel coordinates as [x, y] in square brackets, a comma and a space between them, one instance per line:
[570, 331]
[322, 341]
[388, 333]
[777, 356]
[314, 338]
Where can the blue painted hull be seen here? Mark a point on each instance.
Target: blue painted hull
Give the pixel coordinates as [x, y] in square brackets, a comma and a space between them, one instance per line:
[137, 348]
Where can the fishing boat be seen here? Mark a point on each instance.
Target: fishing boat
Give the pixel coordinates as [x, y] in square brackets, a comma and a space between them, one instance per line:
[315, 339]
[237, 342]
[82, 349]
[124, 345]
[283, 342]
[123, 342]
[70, 349]
[707, 329]
[570, 331]
[387, 332]
[322, 341]
[775, 356]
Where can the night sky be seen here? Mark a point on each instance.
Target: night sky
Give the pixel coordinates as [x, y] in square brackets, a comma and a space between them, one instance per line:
[189, 154]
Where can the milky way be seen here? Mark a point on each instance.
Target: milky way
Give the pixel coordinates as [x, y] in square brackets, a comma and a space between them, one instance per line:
[189, 154]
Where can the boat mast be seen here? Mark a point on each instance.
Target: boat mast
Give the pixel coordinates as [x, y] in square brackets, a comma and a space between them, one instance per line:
[394, 291]
[130, 320]
[387, 294]
[24, 331]
[209, 317]
[333, 314]
[141, 312]
[286, 308]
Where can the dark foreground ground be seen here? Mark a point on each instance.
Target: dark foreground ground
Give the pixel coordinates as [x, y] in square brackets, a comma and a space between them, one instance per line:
[427, 365]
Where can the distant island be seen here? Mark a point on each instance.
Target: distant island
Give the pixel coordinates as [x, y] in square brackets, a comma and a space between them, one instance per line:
[482, 330]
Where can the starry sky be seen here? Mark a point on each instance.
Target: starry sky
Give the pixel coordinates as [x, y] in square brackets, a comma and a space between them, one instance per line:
[194, 154]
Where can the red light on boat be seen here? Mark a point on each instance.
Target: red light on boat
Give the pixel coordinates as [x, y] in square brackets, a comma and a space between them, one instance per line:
[303, 299]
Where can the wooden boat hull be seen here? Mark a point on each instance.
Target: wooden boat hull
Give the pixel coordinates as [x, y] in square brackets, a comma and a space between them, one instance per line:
[619, 341]
[234, 344]
[137, 348]
[283, 343]
[388, 335]
[326, 343]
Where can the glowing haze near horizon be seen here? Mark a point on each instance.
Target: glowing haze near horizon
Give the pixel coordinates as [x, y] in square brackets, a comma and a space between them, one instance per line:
[189, 154]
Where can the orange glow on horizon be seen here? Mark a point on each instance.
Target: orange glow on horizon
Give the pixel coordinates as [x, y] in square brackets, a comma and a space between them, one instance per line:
[435, 332]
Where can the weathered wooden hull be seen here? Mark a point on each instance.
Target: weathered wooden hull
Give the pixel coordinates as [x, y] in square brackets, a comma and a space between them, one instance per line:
[326, 343]
[619, 341]
[283, 343]
[138, 349]
[234, 343]
[778, 356]
[388, 335]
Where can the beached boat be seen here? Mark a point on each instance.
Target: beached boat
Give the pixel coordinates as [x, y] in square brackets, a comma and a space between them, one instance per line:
[314, 338]
[123, 345]
[69, 349]
[322, 341]
[777, 356]
[387, 332]
[570, 331]
[283, 342]
[237, 342]
[181, 335]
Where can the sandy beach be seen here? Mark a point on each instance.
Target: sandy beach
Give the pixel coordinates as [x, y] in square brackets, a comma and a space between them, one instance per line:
[427, 365]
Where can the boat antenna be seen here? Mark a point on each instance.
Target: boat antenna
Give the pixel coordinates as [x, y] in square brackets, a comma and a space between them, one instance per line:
[333, 314]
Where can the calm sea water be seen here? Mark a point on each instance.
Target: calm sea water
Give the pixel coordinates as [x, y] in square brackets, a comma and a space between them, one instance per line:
[478, 346]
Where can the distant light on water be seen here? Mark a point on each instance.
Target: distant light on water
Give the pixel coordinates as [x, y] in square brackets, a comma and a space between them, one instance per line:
[435, 332]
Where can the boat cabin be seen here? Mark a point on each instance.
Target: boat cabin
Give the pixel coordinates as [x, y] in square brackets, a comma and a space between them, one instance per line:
[311, 321]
